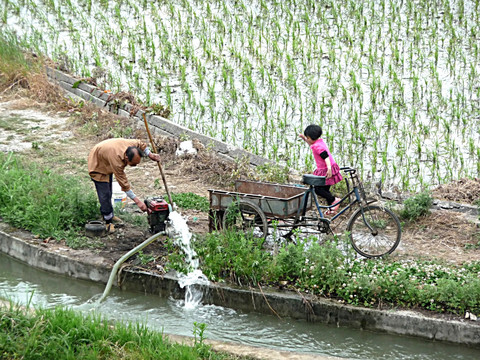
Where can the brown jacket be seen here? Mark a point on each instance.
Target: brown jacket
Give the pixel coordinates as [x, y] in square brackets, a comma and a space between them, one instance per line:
[108, 157]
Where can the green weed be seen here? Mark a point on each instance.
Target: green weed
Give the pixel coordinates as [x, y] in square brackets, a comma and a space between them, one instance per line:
[416, 206]
[328, 270]
[272, 173]
[190, 200]
[233, 256]
[145, 258]
[41, 201]
[65, 334]
[13, 63]
[131, 218]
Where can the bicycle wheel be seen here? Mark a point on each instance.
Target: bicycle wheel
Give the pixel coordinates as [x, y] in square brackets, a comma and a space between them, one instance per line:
[246, 216]
[375, 231]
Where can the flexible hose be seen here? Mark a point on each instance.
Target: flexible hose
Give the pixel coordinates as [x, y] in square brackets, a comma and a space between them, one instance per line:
[123, 259]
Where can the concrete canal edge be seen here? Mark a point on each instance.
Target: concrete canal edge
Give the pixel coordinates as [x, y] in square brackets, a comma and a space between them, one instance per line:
[21, 246]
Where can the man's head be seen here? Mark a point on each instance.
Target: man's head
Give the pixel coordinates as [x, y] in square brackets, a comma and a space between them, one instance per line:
[134, 155]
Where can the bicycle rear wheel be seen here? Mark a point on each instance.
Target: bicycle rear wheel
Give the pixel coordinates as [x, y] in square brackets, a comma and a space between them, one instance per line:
[246, 216]
[375, 231]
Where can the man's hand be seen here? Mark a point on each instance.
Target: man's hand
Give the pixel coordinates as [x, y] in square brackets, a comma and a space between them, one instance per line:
[154, 157]
[140, 204]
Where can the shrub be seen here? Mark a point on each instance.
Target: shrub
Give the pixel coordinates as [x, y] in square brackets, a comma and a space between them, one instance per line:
[231, 255]
[328, 270]
[416, 206]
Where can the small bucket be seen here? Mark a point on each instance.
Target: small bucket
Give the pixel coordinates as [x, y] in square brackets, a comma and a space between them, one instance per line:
[118, 196]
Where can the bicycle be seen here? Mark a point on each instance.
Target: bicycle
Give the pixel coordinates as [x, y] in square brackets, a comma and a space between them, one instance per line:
[256, 207]
[373, 230]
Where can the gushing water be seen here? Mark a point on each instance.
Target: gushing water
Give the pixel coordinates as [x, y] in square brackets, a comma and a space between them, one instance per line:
[182, 237]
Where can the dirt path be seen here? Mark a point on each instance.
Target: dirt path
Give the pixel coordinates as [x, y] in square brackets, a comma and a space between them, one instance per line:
[61, 142]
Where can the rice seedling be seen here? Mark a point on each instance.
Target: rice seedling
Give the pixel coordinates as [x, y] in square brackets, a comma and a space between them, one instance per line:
[398, 62]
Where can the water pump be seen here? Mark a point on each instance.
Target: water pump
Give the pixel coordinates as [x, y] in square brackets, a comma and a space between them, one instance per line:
[158, 210]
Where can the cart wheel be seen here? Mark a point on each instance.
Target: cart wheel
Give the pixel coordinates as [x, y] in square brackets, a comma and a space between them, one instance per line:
[246, 216]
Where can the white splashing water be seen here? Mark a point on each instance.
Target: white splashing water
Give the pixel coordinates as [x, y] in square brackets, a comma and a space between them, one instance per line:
[182, 237]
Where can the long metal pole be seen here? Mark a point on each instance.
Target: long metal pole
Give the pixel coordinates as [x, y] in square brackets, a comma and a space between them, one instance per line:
[158, 162]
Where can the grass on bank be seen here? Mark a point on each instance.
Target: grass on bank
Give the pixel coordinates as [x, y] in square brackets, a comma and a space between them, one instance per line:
[14, 65]
[328, 270]
[65, 334]
[41, 201]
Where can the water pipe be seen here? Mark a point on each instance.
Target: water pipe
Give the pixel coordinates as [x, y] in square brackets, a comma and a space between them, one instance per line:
[124, 258]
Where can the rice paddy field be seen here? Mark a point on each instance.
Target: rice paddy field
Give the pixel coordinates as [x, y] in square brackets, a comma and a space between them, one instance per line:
[394, 84]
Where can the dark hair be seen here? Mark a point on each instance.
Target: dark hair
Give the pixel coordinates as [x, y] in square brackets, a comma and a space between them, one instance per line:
[131, 152]
[313, 132]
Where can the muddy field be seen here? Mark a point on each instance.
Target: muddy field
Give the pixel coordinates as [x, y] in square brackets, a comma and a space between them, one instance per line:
[61, 141]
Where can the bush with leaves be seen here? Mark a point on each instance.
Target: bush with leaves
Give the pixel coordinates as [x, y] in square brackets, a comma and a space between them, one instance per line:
[416, 206]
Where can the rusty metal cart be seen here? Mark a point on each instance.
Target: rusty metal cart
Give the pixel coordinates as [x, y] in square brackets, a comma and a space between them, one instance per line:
[259, 205]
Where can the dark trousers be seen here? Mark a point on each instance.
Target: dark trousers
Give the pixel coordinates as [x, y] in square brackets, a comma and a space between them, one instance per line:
[324, 192]
[104, 192]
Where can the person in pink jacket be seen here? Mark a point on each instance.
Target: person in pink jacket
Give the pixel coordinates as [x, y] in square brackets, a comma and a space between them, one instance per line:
[326, 165]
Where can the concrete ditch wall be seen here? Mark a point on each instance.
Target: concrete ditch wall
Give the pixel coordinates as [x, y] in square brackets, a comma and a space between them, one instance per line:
[21, 246]
[292, 305]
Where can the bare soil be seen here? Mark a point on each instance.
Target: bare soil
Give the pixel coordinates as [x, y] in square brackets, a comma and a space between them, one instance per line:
[62, 140]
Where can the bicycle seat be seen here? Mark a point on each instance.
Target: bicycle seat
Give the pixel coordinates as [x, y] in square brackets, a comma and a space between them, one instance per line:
[313, 180]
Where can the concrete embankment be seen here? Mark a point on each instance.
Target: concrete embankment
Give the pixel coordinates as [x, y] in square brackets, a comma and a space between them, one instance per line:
[85, 264]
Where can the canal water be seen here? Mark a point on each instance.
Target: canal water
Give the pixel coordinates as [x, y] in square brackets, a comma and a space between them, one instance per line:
[23, 285]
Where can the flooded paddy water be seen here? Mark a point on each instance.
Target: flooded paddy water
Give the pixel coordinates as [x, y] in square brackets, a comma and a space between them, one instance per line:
[392, 83]
[25, 285]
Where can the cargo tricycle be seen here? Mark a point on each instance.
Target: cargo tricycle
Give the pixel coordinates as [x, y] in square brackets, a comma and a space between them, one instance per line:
[263, 209]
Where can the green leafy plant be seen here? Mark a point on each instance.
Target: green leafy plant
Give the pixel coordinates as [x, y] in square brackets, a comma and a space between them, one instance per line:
[329, 270]
[131, 218]
[176, 257]
[145, 258]
[199, 332]
[43, 202]
[273, 173]
[416, 206]
[231, 255]
[160, 109]
[190, 200]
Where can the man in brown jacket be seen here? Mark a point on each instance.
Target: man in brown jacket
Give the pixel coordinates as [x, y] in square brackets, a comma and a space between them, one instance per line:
[110, 157]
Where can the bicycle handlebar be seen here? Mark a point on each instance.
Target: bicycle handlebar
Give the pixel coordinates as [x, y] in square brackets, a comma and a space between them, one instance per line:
[348, 169]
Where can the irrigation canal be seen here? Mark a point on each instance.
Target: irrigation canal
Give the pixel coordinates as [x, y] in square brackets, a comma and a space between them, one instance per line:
[24, 284]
